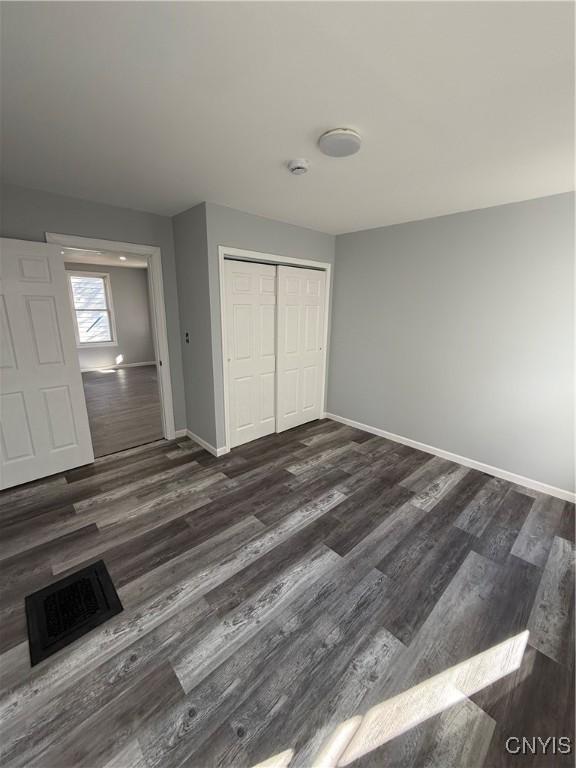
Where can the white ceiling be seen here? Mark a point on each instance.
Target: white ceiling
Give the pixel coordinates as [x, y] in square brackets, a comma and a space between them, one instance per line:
[159, 106]
[107, 258]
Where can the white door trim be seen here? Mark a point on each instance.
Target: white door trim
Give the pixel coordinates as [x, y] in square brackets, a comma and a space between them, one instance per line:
[153, 255]
[242, 254]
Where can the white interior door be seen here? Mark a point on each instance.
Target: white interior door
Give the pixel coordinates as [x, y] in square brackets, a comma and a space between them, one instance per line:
[301, 297]
[251, 349]
[43, 420]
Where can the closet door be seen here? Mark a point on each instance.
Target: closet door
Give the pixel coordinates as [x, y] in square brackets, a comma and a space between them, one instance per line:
[251, 349]
[301, 296]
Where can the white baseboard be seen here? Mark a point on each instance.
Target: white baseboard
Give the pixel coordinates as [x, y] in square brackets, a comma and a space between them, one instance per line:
[210, 448]
[527, 482]
[180, 433]
[114, 367]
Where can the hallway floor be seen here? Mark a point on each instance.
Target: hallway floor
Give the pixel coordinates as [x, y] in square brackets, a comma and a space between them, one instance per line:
[123, 408]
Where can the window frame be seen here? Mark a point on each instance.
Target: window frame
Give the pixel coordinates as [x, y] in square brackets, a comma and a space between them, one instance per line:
[105, 276]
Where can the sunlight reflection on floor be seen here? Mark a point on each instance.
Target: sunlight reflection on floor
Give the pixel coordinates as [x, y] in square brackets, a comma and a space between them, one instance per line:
[361, 734]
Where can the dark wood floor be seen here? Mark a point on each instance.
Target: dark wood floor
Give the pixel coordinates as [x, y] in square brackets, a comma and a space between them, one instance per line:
[123, 408]
[320, 592]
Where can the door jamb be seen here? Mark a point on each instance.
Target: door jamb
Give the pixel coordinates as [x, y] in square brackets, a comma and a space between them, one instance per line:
[153, 255]
[241, 254]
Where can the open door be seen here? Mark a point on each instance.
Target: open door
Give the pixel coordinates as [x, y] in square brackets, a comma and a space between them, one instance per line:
[44, 425]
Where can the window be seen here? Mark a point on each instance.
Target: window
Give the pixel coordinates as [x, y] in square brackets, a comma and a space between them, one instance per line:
[91, 300]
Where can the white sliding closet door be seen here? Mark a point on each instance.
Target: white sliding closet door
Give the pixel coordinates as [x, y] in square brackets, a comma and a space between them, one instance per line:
[251, 349]
[301, 296]
[44, 424]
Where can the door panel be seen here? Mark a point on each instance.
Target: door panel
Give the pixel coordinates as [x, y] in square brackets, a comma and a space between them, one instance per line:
[311, 328]
[243, 333]
[243, 401]
[44, 425]
[301, 296]
[309, 398]
[60, 416]
[7, 355]
[16, 437]
[292, 330]
[34, 269]
[251, 341]
[291, 377]
[267, 313]
[44, 329]
[268, 397]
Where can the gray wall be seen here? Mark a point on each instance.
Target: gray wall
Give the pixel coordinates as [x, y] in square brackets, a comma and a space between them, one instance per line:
[458, 332]
[129, 287]
[27, 214]
[198, 232]
[226, 226]
[194, 300]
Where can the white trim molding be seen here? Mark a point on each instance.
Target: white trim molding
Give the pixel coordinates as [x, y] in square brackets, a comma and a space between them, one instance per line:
[153, 256]
[504, 474]
[210, 448]
[225, 252]
[271, 258]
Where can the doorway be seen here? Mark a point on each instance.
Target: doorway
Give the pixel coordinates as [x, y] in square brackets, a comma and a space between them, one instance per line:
[274, 331]
[110, 305]
[45, 427]
[150, 256]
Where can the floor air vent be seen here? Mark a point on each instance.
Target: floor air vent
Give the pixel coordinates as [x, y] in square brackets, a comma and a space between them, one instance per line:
[64, 611]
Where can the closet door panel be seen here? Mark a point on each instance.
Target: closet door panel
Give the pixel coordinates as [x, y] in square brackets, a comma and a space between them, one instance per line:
[251, 341]
[301, 297]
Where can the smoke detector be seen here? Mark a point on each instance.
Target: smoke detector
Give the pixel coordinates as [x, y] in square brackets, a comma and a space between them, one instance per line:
[298, 167]
[340, 142]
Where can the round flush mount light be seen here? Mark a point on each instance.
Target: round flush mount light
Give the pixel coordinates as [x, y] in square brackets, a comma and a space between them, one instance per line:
[340, 142]
[122, 258]
[298, 167]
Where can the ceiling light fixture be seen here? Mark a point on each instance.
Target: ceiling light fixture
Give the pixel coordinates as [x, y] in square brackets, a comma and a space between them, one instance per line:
[340, 142]
[83, 250]
[298, 167]
[122, 258]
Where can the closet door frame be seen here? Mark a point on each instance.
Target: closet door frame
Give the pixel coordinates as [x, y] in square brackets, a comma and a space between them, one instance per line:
[240, 254]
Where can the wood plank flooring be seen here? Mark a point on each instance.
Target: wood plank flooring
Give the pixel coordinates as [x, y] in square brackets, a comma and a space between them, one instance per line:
[123, 408]
[322, 596]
